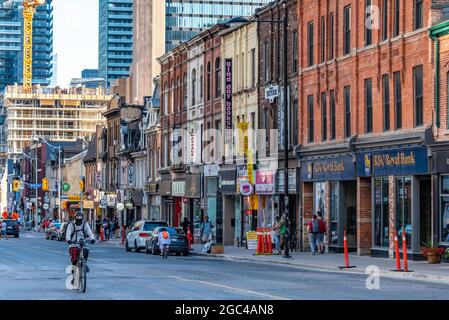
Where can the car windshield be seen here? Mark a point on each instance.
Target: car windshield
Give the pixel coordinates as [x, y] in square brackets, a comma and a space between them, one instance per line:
[10, 222]
[172, 231]
[150, 226]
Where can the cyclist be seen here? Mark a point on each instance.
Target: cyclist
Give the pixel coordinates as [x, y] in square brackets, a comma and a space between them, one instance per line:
[163, 240]
[76, 231]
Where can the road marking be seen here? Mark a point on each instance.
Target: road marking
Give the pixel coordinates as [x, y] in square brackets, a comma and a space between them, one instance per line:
[266, 295]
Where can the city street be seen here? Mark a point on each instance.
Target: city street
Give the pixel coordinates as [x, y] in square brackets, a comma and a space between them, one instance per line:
[34, 268]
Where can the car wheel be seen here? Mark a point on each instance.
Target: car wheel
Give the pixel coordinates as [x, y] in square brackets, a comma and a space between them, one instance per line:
[186, 253]
[128, 249]
[136, 248]
[154, 250]
[16, 236]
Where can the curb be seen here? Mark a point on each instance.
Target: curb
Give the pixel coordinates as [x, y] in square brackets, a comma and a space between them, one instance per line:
[389, 274]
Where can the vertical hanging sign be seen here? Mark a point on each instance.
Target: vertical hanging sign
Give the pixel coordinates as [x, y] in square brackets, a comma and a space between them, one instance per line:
[228, 100]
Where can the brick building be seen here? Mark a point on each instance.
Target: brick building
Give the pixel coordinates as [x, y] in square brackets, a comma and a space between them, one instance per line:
[367, 119]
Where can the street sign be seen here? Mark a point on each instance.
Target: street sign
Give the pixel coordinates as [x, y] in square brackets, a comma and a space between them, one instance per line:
[35, 185]
[271, 93]
[65, 187]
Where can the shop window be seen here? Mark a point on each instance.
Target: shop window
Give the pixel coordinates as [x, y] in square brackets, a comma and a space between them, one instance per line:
[404, 208]
[444, 195]
[381, 212]
[334, 213]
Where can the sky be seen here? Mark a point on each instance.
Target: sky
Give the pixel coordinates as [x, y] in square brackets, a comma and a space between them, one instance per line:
[75, 32]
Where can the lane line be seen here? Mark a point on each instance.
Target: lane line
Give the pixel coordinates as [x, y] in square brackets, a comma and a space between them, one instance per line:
[266, 295]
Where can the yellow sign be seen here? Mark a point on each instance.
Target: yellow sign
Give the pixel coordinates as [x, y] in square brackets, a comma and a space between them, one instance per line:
[251, 240]
[88, 204]
[253, 202]
[45, 184]
[82, 185]
[75, 198]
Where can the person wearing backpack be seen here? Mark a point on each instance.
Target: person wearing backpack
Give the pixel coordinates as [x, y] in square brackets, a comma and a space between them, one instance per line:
[77, 230]
[313, 231]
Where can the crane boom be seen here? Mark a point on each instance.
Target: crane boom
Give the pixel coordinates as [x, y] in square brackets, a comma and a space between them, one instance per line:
[29, 8]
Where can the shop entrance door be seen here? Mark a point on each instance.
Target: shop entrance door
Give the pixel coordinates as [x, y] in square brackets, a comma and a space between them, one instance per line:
[425, 213]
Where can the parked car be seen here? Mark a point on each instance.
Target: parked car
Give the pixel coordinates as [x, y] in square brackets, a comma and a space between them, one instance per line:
[53, 230]
[179, 243]
[12, 228]
[139, 233]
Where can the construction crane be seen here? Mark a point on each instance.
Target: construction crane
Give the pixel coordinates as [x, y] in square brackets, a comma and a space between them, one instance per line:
[29, 9]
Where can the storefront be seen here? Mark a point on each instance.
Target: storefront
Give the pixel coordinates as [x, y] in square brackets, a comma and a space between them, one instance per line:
[333, 184]
[401, 196]
[180, 204]
[440, 177]
[193, 199]
[232, 220]
[265, 191]
[293, 191]
[166, 201]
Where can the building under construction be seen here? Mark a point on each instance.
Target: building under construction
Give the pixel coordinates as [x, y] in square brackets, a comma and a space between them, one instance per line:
[51, 113]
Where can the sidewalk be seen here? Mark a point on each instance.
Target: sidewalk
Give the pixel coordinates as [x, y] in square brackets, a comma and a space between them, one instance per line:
[422, 270]
[116, 242]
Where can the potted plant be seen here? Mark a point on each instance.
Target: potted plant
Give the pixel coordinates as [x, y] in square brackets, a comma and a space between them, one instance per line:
[432, 252]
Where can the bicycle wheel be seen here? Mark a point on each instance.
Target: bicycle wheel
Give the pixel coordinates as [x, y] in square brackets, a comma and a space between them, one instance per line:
[83, 277]
[165, 252]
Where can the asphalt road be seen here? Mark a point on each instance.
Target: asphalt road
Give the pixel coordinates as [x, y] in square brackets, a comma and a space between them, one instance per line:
[34, 268]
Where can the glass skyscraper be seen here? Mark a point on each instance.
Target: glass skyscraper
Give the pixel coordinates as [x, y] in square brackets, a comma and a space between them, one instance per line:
[11, 38]
[187, 18]
[115, 39]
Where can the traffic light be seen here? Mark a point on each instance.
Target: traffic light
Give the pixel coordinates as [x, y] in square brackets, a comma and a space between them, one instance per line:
[15, 185]
[45, 184]
[82, 186]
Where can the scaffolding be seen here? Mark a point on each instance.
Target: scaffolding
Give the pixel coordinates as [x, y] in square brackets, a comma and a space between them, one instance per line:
[54, 114]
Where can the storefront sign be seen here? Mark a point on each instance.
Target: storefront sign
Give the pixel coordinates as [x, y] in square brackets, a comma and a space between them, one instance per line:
[88, 204]
[292, 181]
[251, 240]
[193, 186]
[228, 100]
[265, 181]
[152, 188]
[246, 189]
[178, 188]
[405, 161]
[226, 181]
[211, 170]
[340, 168]
[440, 162]
[242, 176]
[111, 200]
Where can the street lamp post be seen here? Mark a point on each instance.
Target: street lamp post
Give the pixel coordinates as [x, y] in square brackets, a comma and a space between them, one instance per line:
[285, 110]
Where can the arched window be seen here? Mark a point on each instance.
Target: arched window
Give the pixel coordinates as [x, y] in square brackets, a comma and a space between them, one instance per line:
[201, 83]
[217, 78]
[208, 80]
[193, 87]
[165, 98]
[185, 90]
[178, 95]
[172, 104]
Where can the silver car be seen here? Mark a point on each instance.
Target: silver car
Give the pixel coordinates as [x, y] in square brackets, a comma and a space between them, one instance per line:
[140, 231]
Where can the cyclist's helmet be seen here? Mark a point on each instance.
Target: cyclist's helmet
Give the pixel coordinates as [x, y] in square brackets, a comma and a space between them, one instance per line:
[163, 229]
[79, 218]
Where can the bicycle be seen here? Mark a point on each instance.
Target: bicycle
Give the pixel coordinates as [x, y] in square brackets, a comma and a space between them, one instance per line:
[165, 252]
[80, 273]
[293, 244]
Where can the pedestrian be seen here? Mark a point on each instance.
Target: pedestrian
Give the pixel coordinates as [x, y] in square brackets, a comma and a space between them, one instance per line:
[116, 228]
[206, 230]
[97, 228]
[111, 229]
[313, 231]
[106, 228]
[322, 230]
[185, 225]
[277, 235]
[286, 237]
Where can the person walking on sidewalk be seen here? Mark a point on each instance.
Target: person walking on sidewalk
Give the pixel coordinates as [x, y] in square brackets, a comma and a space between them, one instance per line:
[185, 225]
[322, 231]
[277, 234]
[97, 228]
[111, 229]
[313, 231]
[106, 228]
[206, 230]
[286, 237]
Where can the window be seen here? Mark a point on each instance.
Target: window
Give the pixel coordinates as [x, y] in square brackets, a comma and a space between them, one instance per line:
[323, 117]
[166, 90]
[347, 30]
[178, 93]
[184, 89]
[193, 87]
[419, 99]
[386, 102]
[398, 99]
[201, 83]
[323, 46]
[217, 78]
[295, 51]
[381, 212]
[294, 123]
[331, 36]
[368, 105]
[266, 54]
[311, 118]
[419, 14]
[385, 20]
[368, 29]
[253, 68]
[404, 207]
[332, 115]
[310, 43]
[347, 102]
[444, 192]
[397, 17]
[165, 150]
[208, 80]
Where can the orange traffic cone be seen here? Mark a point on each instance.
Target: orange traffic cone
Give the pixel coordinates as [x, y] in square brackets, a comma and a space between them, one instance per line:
[404, 251]
[397, 254]
[259, 244]
[189, 238]
[102, 234]
[345, 246]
